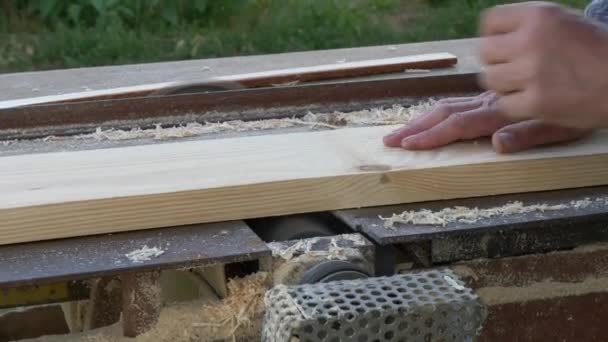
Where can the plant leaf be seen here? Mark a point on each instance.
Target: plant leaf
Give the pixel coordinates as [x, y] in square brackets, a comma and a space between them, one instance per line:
[169, 11]
[74, 13]
[46, 7]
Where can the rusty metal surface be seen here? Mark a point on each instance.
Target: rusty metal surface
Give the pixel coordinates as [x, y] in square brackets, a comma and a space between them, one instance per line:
[368, 222]
[236, 101]
[94, 256]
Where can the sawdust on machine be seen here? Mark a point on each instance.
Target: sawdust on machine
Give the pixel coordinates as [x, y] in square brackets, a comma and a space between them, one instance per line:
[306, 247]
[396, 114]
[144, 254]
[462, 214]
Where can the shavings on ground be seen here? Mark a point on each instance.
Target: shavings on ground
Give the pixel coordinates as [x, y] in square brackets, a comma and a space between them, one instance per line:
[238, 317]
[468, 215]
[239, 314]
[144, 254]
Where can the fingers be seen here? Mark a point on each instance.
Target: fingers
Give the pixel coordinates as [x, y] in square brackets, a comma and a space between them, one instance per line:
[460, 126]
[518, 104]
[532, 133]
[499, 49]
[504, 78]
[426, 121]
[502, 19]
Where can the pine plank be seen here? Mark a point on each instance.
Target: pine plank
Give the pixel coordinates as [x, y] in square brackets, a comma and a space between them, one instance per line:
[55, 195]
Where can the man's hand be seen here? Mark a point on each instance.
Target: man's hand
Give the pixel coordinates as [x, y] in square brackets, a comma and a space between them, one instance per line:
[473, 117]
[546, 62]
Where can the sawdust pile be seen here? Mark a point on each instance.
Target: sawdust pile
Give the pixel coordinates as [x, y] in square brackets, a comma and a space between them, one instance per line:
[238, 315]
[236, 318]
[396, 114]
[468, 215]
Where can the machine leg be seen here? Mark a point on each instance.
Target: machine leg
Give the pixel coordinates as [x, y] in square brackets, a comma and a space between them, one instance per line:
[106, 298]
[141, 298]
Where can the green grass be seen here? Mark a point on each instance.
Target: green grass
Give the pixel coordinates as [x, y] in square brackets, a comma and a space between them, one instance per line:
[45, 34]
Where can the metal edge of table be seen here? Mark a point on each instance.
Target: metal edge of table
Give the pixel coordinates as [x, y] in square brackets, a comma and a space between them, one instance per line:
[102, 255]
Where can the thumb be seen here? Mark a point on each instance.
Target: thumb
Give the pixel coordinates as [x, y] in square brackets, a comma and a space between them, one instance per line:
[532, 133]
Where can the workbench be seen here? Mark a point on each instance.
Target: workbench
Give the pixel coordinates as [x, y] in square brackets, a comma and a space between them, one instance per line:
[528, 276]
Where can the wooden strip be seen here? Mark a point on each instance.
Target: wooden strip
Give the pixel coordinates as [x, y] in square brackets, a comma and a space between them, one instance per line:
[56, 195]
[104, 94]
[342, 70]
[252, 80]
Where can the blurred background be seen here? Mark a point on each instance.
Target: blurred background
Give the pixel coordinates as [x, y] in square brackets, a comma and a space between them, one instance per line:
[51, 34]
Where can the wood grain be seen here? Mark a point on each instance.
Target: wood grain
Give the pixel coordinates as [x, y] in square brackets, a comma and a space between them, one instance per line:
[251, 80]
[56, 195]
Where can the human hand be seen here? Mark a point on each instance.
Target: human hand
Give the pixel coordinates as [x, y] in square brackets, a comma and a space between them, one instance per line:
[465, 118]
[546, 62]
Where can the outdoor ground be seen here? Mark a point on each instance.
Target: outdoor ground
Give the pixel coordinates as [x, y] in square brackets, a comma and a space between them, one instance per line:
[50, 34]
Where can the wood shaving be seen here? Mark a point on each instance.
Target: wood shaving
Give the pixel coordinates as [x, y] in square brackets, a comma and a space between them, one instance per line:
[242, 310]
[453, 283]
[396, 114]
[144, 254]
[305, 247]
[286, 253]
[464, 214]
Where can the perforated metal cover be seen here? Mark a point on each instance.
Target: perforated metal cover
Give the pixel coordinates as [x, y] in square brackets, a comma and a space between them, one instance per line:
[418, 306]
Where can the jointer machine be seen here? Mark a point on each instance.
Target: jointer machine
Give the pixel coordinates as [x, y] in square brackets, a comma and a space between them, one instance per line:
[331, 276]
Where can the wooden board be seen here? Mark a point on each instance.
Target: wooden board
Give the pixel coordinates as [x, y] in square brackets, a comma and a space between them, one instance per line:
[343, 70]
[252, 80]
[56, 195]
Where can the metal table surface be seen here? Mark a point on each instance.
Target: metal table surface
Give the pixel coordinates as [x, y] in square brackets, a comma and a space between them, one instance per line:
[103, 255]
